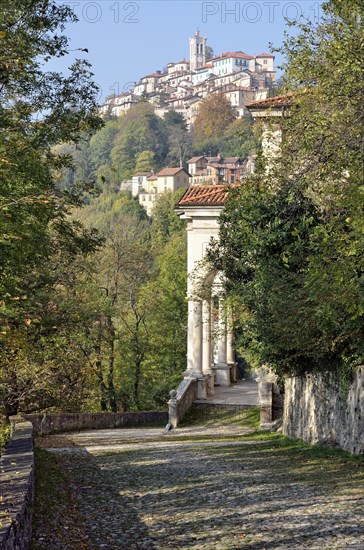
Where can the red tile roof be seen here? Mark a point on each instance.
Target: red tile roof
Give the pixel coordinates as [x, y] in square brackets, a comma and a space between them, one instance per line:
[205, 195]
[152, 178]
[171, 171]
[232, 160]
[265, 55]
[239, 55]
[195, 159]
[278, 101]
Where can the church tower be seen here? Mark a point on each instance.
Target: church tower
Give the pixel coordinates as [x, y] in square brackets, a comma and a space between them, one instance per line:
[197, 51]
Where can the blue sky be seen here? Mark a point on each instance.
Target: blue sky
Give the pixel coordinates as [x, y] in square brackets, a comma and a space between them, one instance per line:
[127, 40]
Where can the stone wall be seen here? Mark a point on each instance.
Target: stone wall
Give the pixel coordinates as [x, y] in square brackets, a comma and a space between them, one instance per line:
[17, 487]
[44, 424]
[318, 410]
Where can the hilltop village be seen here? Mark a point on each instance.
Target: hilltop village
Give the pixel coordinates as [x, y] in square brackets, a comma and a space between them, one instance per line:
[184, 85]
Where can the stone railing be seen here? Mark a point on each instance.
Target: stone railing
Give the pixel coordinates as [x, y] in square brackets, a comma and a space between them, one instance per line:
[181, 401]
[52, 423]
[17, 487]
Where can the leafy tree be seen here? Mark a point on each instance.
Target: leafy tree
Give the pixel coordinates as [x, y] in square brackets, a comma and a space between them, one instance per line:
[209, 53]
[141, 132]
[165, 357]
[165, 222]
[101, 143]
[179, 139]
[292, 240]
[214, 116]
[39, 110]
[144, 161]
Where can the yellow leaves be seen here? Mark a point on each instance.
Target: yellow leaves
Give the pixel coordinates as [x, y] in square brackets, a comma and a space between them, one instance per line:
[2, 34]
[28, 322]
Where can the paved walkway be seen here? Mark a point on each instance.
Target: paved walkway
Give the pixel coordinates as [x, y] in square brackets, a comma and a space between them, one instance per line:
[143, 490]
[244, 392]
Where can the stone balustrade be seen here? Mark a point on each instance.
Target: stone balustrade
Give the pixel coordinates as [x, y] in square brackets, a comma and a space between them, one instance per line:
[181, 401]
[52, 423]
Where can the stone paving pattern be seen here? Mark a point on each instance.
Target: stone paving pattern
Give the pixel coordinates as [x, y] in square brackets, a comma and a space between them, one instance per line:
[189, 490]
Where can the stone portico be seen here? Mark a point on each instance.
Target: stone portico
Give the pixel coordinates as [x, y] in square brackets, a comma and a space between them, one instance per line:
[210, 354]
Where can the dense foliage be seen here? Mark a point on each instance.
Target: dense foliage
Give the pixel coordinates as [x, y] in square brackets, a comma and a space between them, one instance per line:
[39, 244]
[92, 292]
[292, 237]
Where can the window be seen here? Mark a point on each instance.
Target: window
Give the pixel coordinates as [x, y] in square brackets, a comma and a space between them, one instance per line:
[265, 62]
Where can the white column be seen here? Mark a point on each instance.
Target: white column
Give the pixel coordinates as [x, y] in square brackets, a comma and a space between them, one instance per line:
[194, 339]
[230, 355]
[221, 336]
[223, 369]
[207, 346]
[206, 337]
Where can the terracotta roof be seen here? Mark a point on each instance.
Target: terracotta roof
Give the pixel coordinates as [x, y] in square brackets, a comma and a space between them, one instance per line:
[195, 159]
[171, 171]
[213, 159]
[265, 55]
[277, 101]
[239, 55]
[205, 195]
[152, 178]
[232, 160]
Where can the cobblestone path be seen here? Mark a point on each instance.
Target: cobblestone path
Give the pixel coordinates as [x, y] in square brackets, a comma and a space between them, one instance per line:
[138, 489]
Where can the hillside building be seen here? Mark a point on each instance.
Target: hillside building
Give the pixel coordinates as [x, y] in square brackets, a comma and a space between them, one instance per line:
[183, 85]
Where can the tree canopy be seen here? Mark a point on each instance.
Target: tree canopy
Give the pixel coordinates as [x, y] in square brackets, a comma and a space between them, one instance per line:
[292, 238]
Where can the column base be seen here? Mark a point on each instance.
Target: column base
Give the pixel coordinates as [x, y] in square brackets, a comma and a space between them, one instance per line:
[210, 382]
[202, 384]
[233, 372]
[222, 371]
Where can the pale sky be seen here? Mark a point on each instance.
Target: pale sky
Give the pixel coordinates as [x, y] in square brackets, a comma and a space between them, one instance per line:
[127, 40]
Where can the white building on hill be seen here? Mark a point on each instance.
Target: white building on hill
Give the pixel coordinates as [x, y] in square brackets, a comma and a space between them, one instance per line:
[198, 78]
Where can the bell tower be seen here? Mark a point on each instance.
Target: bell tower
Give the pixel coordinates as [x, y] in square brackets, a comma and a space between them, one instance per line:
[197, 51]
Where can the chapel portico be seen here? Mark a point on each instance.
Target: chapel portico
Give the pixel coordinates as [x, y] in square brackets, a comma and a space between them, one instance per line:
[210, 354]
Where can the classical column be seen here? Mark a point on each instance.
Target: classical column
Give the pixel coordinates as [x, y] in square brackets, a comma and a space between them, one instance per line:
[207, 346]
[221, 336]
[206, 337]
[223, 369]
[194, 339]
[230, 355]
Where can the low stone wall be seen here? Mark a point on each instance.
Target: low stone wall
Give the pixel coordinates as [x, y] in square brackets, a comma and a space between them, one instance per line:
[181, 401]
[17, 487]
[44, 424]
[318, 410]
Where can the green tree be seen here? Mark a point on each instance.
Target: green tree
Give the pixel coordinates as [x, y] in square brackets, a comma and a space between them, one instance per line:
[102, 142]
[38, 110]
[143, 131]
[179, 139]
[214, 116]
[144, 161]
[292, 241]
